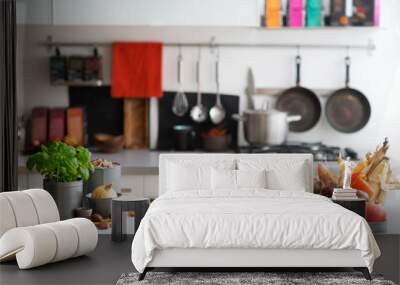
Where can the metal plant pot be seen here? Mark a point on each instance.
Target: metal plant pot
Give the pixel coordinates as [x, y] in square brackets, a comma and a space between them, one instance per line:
[102, 176]
[100, 206]
[67, 195]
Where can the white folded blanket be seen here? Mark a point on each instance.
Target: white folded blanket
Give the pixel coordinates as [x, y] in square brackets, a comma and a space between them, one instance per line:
[250, 219]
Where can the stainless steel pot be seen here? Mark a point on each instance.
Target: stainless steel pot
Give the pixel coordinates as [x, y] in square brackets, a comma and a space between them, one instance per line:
[265, 127]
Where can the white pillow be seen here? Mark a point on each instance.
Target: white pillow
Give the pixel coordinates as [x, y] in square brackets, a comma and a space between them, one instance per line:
[282, 180]
[223, 179]
[251, 178]
[187, 175]
[229, 180]
[181, 177]
[282, 174]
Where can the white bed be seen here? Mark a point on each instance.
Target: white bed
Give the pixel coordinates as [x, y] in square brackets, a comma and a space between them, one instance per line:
[201, 220]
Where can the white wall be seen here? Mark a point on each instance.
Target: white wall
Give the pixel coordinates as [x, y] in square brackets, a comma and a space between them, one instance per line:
[374, 74]
[144, 12]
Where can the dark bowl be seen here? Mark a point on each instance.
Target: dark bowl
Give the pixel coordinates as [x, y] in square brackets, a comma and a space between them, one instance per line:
[216, 143]
[109, 143]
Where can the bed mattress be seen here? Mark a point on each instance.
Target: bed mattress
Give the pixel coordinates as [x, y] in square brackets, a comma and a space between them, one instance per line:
[250, 219]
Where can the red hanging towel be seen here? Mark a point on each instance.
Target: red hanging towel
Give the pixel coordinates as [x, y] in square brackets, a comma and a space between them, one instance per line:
[136, 70]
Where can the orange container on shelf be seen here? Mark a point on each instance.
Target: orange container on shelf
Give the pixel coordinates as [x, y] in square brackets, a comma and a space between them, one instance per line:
[75, 126]
[56, 128]
[273, 15]
[39, 126]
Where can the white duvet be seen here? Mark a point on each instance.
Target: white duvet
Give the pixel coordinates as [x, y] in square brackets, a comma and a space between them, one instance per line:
[250, 219]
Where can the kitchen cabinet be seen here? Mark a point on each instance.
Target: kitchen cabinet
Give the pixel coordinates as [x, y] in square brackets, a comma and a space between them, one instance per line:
[141, 185]
[134, 183]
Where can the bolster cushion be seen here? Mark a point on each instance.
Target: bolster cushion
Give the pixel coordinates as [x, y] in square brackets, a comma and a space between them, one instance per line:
[26, 208]
[40, 244]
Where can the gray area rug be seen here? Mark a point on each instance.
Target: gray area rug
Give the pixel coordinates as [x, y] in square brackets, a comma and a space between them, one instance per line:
[229, 278]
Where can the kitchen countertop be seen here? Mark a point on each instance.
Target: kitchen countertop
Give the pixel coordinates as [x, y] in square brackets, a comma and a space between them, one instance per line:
[133, 162]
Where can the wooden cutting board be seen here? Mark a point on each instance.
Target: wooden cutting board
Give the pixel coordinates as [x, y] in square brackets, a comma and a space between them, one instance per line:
[136, 123]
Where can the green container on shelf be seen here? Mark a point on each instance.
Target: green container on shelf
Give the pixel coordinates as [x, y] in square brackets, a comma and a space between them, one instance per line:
[314, 13]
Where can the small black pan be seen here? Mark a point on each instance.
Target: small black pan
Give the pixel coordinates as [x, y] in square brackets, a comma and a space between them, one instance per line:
[347, 109]
[300, 101]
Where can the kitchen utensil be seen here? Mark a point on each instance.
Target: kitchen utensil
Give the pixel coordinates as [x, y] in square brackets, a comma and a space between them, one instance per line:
[166, 120]
[180, 104]
[300, 101]
[251, 89]
[266, 127]
[347, 109]
[199, 111]
[217, 112]
[183, 137]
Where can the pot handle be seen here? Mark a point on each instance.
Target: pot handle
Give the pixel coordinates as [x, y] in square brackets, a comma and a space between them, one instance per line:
[239, 118]
[294, 118]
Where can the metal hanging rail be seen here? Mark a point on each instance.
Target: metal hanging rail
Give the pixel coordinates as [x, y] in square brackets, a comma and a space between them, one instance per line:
[370, 46]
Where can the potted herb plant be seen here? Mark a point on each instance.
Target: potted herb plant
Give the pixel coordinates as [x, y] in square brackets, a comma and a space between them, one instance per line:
[64, 168]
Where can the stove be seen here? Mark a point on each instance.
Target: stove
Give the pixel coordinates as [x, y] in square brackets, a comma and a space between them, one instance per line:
[320, 151]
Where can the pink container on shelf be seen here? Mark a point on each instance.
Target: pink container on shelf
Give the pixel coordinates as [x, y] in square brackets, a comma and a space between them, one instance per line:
[377, 10]
[296, 14]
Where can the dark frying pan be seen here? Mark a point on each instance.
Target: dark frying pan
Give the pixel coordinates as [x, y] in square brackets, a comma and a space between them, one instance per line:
[300, 101]
[347, 109]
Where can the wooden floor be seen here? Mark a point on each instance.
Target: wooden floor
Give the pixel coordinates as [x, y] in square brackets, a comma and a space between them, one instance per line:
[102, 266]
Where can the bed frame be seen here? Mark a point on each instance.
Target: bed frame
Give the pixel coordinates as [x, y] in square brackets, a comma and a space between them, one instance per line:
[261, 259]
[249, 259]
